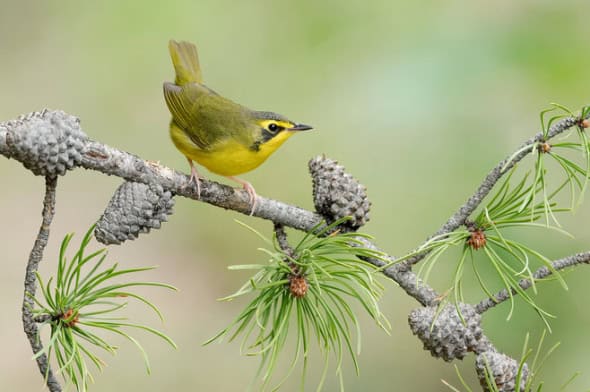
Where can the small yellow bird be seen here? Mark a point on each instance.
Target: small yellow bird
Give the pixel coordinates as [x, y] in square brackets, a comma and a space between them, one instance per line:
[227, 138]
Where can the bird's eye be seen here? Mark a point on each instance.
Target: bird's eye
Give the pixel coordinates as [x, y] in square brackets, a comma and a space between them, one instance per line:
[273, 127]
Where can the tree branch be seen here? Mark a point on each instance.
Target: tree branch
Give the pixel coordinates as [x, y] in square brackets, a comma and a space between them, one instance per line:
[282, 239]
[51, 142]
[459, 217]
[541, 273]
[18, 140]
[407, 279]
[29, 322]
[111, 161]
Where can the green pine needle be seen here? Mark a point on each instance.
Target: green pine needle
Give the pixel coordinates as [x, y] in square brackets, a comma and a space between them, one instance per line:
[516, 204]
[306, 299]
[84, 301]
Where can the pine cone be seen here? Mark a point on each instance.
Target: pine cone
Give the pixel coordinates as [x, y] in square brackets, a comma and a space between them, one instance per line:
[298, 286]
[444, 334]
[134, 208]
[47, 142]
[336, 194]
[502, 369]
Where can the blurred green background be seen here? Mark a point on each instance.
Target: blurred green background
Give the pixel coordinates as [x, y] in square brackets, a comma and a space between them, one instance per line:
[417, 99]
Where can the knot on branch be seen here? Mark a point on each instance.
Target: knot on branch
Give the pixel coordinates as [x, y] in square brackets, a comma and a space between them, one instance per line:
[134, 208]
[446, 334]
[498, 368]
[336, 194]
[48, 142]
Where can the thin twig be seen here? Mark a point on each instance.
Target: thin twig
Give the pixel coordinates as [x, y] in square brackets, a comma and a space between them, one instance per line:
[459, 217]
[43, 318]
[29, 322]
[406, 278]
[543, 272]
[282, 239]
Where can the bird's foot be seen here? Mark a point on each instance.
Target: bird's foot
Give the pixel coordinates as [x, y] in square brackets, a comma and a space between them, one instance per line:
[195, 178]
[253, 197]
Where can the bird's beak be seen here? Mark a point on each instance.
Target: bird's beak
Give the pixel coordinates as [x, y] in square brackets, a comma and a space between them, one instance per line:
[300, 127]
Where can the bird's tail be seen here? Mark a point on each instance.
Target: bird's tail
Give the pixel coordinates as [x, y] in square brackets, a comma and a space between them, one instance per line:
[186, 62]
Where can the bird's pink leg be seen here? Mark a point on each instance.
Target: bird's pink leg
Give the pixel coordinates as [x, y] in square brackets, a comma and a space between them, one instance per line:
[195, 177]
[250, 190]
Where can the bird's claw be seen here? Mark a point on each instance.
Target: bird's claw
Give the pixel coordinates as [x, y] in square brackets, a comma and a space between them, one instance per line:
[253, 197]
[195, 178]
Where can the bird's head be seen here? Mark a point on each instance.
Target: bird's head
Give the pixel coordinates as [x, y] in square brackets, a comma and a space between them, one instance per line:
[273, 130]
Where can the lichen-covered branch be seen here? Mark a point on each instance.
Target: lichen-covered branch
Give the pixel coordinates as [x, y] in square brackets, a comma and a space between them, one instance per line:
[406, 278]
[29, 322]
[543, 272]
[282, 239]
[111, 161]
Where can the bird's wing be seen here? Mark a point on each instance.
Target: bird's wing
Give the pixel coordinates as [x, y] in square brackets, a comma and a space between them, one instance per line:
[206, 117]
[182, 103]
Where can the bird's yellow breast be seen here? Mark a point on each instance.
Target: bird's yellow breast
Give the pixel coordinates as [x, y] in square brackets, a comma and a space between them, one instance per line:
[229, 157]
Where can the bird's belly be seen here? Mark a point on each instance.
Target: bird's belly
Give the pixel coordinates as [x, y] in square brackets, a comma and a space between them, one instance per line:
[229, 158]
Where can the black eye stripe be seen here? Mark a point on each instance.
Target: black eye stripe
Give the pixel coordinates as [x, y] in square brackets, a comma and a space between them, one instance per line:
[266, 135]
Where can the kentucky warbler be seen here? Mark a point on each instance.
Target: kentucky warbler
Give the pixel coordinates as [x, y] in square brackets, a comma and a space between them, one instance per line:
[225, 137]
